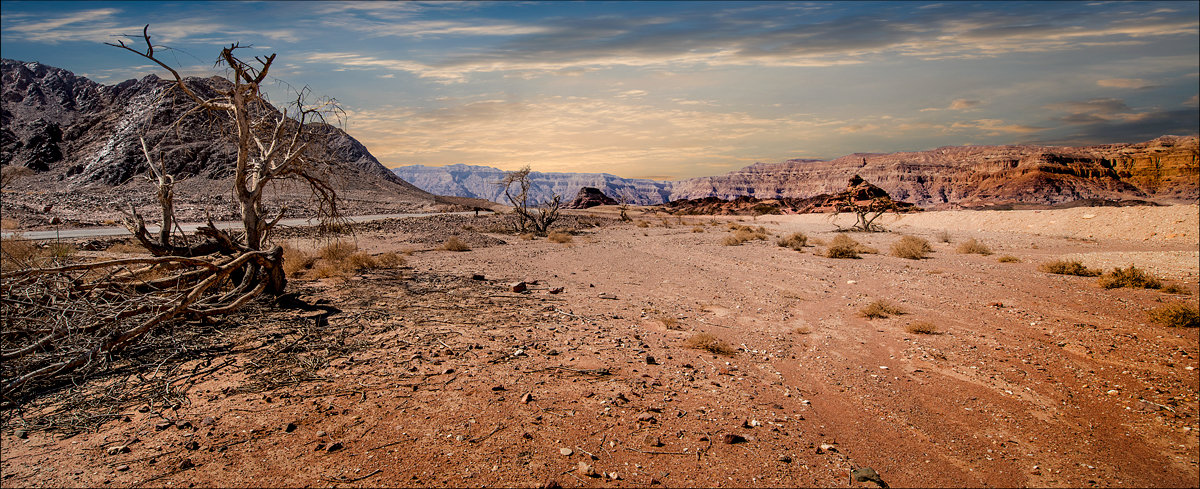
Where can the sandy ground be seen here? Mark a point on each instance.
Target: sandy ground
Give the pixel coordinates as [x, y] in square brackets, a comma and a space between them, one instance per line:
[1035, 380]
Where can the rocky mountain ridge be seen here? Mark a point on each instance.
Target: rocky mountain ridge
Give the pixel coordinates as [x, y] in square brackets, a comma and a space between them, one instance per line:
[1164, 169]
[82, 141]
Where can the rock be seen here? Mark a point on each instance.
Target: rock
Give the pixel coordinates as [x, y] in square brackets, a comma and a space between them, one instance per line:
[826, 447]
[556, 290]
[650, 360]
[183, 425]
[867, 474]
[477, 276]
[551, 484]
[519, 287]
[613, 475]
[647, 418]
[333, 447]
[186, 464]
[144, 409]
[652, 441]
[566, 452]
[162, 425]
[321, 433]
[498, 388]
[191, 445]
[208, 421]
[118, 449]
[22, 434]
[732, 438]
[606, 295]
[526, 398]
[585, 469]
[785, 459]
[589, 197]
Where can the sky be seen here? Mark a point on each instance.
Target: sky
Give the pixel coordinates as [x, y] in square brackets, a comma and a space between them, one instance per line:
[671, 90]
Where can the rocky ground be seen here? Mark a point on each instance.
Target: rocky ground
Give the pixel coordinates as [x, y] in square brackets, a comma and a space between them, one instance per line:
[442, 373]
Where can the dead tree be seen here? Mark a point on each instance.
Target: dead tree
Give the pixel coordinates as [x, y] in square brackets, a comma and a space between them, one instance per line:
[529, 218]
[867, 202]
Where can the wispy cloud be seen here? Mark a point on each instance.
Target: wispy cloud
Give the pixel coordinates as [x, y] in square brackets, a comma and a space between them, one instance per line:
[1132, 83]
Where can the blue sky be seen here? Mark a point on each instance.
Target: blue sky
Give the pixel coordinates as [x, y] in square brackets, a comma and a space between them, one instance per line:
[673, 89]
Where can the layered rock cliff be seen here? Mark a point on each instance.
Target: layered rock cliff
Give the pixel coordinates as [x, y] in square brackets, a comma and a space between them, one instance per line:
[481, 182]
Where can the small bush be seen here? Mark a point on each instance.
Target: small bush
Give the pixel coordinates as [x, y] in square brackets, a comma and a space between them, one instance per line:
[802, 330]
[743, 234]
[843, 246]
[1068, 267]
[360, 261]
[1131, 277]
[911, 247]
[944, 237]
[710, 343]
[528, 236]
[559, 237]
[1008, 259]
[6, 223]
[698, 229]
[671, 323]
[17, 252]
[1175, 289]
[795, 241]
[974, 246]
[454, 244]
[296, 262]
[1176, 315]
[337, 251]
[922, 327]
[643, 224]
[880, 309]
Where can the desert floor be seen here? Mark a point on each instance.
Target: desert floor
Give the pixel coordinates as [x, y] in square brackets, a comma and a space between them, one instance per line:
[428, 375]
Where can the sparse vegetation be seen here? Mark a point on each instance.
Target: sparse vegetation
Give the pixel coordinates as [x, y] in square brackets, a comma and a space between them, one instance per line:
[698, 229]
[974, 246]
[742, 234]
[1008, 259]
[880, 309]
[1131, 277]
[642, 224]
[1068, 267]
[528, 236]
[454, 244]
[802, 330]
[922, 327]
[559, 237]
[795, 241]
[670, 323]
[945, 237]
[1174, 289]
[1176, 315]
[6, 223]
[911, 247]
[843, 246]
[710, 343]
[17, 252]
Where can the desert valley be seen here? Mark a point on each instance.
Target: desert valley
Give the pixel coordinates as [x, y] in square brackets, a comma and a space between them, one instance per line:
[1018, 315]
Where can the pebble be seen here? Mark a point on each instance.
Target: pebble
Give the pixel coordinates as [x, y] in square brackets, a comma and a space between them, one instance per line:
[118, 449]
[566, 452]
[335, 446]
[22, 434]
[825, 447]
[526, 398]
[732, 438]
[208, 421]
[321, 433]
[290, 427]
[650, 360]
[122, 468]
[652, 441]
[520, 287]
[186, 464]
[585, 469]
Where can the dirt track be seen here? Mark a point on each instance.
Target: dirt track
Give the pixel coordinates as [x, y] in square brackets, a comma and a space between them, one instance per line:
[1037, 379]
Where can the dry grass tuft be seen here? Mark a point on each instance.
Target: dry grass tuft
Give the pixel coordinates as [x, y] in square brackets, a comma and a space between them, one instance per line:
[698, 229]
[1131, 277]
[528, 236]
[6, 223]
[295, 261]
[1176, 315]
[643, 224]
[880, 309]
[1068, 267]
[911, 247]
[843, 246]
[742, 234]
[944, 237]
[670, 323]
[17, 252]
[795, 241]
[922, 327]
[1008, 259]
[802, 330]
[974, 246]
[559, 237]
[710, 343]
[391, 259]
[1175, 289]
[454, 244]
[337, 251]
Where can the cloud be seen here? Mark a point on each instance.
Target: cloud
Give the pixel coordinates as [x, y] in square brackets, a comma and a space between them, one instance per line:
[963, 104]
[996, 127]
[1133, 83]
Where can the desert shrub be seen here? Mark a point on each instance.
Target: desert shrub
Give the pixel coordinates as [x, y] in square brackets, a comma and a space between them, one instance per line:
[391, 259]
[944, 236]
[559, 237]
[6, 223]
[60, 251]
[731, 240]
[802, 330]
[974, 246]
[454, 244]
[1131, 277]
[1175, 289]
[1176, 315]
[643, 224]
[880, 309]
[670, 323]
[295, 261]
[1008, 259]
[337, 250]
[710, 343]
[911, 247]
[698, 229]
[528, 236]
[795, 241]
[922, 327]
[360, 261]
[17, 252]
[743, 234]
[843, 246]
[1068, 267]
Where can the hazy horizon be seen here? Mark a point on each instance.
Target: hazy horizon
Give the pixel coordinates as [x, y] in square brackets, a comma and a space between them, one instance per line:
[673, 90]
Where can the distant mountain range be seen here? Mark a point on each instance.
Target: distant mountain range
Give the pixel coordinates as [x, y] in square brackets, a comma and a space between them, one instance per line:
[1164, 169]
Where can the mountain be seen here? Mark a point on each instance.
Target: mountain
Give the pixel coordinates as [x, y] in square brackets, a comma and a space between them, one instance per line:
[480, 182]
[82, 141]
[1164, 169]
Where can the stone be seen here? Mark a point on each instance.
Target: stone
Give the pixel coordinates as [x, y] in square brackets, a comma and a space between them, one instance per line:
[183, 425]
[785, 459]
[585, 469]
[826, 447]
[556, 290]
[321, 433]
[477, 276]
[867, 474]
[208, 421]
[647, 418]
[22, 434]
[526, 398]
[519, 287]
[162, 425]
[333, 447]
[732, 438]
[186, 464]
[118, 449]
[191, 445]
[606, 295]
[566, 452]
[652, 441]
[650, 360]
[122, 468]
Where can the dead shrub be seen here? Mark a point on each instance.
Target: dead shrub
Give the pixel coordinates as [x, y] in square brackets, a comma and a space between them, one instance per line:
[559, 237]
[670, 323]
[1131, 277]
[974, 246]
[337, 250]
[1008, 259]
[922, 327]
[643, 224]
[1068, 267]
[944, 236]
[698, 229]
[743, 234]
[843, 246]
[17, 252]
[880, 309]
[454, 244]
[391, 259]
[795, 241]
[802, 330]
[1175, 289]
[911, 247]
[710, 343]
[360, 261]
[1176, 315]
[528, 236]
